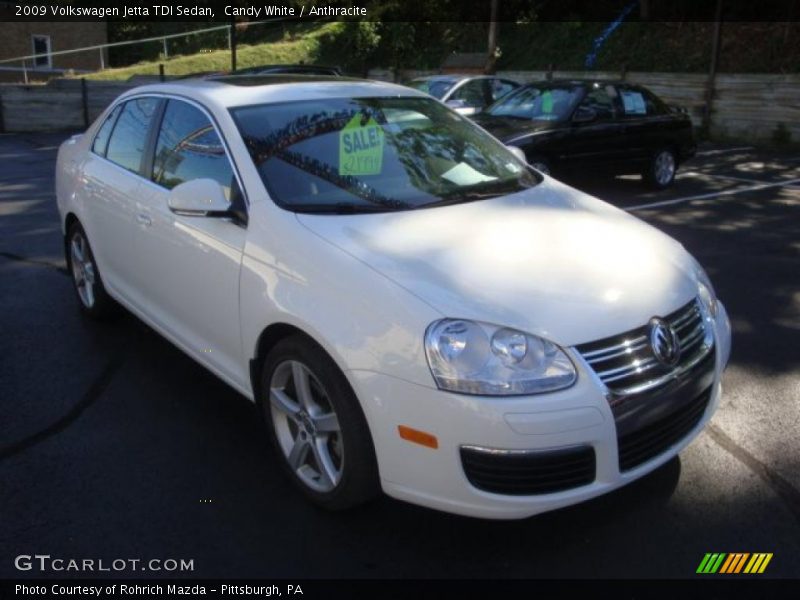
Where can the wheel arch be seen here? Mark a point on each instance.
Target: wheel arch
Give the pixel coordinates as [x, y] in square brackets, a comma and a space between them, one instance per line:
[269, 338]
[69, 220]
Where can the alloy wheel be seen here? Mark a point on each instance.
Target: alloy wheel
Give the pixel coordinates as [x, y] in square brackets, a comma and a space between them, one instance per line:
[664, 168]
[83, 269]
[306, 426]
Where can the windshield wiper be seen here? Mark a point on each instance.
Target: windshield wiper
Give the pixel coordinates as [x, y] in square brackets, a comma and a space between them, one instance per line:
[461, 199]
[338, 208]
[479, 191]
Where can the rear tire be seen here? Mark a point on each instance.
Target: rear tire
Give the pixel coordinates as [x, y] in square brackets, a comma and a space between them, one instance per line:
[93, 299]
[660, 173]
[316, 425]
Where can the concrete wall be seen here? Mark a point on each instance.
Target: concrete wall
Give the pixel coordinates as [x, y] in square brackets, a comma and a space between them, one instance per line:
[56, 106]
[744, 106]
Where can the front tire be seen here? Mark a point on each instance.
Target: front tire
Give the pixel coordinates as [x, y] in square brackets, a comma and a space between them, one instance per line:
[660, 174]
[316, 425]
[93, 299]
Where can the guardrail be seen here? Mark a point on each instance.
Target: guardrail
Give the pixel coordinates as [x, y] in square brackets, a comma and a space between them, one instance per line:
[101, 48]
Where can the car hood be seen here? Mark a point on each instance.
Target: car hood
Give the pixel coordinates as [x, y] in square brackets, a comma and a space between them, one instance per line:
[550, 261]
[507, 128]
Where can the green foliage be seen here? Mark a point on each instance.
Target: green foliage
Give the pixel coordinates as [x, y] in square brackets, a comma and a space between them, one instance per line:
[362, 38]
[526, 44]
[399, 43]
[652, 46]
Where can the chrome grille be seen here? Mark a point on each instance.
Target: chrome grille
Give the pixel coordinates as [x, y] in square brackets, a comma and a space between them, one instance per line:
[626, 363]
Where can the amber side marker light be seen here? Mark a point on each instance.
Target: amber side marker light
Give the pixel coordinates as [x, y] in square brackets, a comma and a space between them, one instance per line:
[418, 437]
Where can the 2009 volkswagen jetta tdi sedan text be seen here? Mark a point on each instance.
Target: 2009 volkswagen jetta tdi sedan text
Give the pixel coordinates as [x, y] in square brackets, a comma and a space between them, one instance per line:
[411, 307]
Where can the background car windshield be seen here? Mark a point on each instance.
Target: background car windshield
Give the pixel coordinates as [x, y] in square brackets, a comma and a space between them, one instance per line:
[550, 103]
[434, 87]
[375, 154]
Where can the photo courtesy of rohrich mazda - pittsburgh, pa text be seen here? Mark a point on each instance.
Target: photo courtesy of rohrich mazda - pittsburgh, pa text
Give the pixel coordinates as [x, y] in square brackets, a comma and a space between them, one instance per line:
[414, 309]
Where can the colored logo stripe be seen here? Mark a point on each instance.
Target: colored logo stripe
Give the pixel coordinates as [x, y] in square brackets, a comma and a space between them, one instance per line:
[711, 562]
[735, 562]
[721, 562]
[758, 563]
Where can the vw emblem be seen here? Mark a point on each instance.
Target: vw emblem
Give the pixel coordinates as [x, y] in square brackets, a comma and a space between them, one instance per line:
[664, 342]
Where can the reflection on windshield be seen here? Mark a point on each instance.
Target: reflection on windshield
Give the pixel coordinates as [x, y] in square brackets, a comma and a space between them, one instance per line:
[538, 103]
[375, 153]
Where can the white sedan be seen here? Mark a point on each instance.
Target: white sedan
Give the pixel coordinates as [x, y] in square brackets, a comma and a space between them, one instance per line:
[412, 308]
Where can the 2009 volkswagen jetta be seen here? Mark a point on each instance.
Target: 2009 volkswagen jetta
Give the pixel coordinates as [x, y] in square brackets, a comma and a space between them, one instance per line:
[412, 307]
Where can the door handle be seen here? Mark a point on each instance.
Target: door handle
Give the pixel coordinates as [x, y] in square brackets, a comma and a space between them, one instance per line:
[144, 219]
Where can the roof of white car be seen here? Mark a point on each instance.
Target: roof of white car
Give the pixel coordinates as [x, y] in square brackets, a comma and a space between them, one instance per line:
[243, 90]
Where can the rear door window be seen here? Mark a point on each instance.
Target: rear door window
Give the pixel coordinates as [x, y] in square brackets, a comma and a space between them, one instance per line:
[104, 133]
[600, 100]
[633, 103]
[126, 147]
[653, 104]
[638, 102]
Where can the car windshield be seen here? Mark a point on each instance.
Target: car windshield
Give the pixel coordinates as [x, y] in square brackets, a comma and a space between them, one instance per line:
[433, 87]
[375, 154]
[538, 103]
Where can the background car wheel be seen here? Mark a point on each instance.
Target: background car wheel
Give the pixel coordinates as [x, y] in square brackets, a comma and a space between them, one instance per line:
[661, 172]
[93, 299]
[540, 164]
[316, 425]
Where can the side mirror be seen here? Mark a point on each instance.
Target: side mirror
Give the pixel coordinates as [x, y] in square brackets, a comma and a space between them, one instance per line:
[584, 114]
[519, 153]
[199, 198]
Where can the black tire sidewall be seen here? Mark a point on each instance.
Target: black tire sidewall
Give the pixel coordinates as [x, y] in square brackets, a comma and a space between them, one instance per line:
[359, 482]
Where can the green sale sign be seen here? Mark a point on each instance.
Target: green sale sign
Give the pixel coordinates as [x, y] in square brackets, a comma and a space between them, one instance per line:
[361, 147]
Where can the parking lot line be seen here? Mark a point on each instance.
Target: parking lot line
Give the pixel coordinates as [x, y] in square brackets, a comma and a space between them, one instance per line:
[723, 151]
[752, 188]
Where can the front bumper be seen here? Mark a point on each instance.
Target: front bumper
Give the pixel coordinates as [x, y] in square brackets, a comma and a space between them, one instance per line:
[576, 417]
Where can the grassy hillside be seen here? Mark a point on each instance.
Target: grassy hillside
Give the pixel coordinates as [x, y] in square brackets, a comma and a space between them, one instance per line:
[308, 45]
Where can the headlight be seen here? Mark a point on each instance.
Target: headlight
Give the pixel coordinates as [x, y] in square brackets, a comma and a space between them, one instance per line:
[708, 298]
[482, 359]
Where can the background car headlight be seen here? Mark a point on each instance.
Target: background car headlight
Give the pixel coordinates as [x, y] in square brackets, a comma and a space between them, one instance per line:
[708, 298]
[478, 358]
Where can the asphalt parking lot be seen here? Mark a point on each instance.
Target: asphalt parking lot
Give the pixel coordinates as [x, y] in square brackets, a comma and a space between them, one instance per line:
[113, 444]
